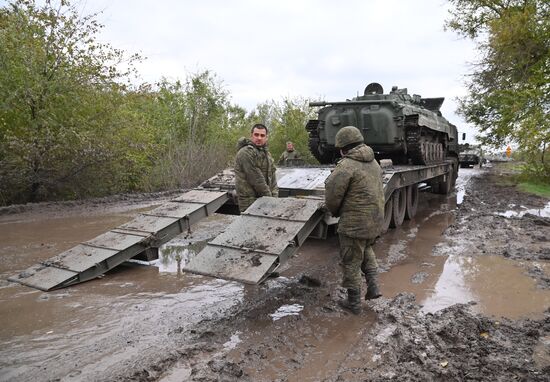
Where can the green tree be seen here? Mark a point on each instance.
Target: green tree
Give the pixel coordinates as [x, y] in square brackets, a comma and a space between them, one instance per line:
[509, 89]
[198, 130]
[60, 94]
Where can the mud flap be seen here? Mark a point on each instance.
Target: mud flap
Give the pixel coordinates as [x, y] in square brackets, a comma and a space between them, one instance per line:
[265, 236]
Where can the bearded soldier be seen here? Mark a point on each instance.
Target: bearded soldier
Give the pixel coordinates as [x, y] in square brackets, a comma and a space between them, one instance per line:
[254, 168]
[354, 192]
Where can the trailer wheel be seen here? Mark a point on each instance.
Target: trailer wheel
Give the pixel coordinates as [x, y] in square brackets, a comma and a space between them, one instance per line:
[399, 206]
[387, 214]
[412, 201]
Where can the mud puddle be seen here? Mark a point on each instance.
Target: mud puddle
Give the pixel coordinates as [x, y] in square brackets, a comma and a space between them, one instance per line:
[464, 176]
[497, 285]
[520, 211]
[500, 287]
[110, 321]
[149, 323]
[431, 324]
[24, 243]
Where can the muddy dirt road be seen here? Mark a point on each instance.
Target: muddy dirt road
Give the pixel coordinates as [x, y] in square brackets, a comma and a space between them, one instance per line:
[466, 297]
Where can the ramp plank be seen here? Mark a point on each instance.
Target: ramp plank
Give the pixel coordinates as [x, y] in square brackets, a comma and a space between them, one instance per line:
[80, 258]
[43, 278]
[147, 223]
[232, 264]
[200, 196]
[284, 208]
[174, 210]
[258, 241]
[95, 257]
[115, 240]
[257, 234]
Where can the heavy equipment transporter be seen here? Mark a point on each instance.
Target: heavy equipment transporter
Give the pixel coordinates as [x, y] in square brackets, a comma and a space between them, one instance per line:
[260, 240]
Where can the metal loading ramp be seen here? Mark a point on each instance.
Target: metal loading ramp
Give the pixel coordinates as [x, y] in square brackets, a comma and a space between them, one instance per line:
[266, 235]
[92, 258]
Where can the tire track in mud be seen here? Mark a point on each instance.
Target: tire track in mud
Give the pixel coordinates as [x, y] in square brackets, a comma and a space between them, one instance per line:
[394, 339]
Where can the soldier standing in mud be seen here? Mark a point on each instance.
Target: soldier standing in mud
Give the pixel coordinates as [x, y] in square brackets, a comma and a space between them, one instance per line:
[288, 155]
[354, 192]
[254, 168]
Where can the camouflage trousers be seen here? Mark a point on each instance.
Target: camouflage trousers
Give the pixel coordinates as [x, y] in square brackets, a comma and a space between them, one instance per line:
[357, 258]
[245, 202]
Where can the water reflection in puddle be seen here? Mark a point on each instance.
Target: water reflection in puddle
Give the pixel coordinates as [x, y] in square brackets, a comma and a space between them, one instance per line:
[542, 212]
[499, 286]
[176, 254]
[460, 192]
[172, 257]
[287, 310]
[233, 341]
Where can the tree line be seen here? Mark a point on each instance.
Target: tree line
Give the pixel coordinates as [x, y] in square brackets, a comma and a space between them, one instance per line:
[76, 122]
[73, 124]
[509, 87]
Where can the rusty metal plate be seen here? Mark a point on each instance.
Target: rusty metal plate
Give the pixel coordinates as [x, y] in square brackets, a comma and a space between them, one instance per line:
[114, 240]
[146, 223]
[259, 234]
[200, 196]
[303, 178]
[294, 209]
[175, 210]
[232, 264]
[80, 258]
[43, 278]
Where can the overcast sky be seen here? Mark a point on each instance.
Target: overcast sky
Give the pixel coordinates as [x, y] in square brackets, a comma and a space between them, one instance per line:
[321, 49]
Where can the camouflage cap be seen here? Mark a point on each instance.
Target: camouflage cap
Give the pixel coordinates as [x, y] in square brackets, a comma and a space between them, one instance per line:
[348, 135]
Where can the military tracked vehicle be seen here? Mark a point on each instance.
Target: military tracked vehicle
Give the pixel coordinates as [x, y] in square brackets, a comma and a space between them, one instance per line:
[470, 155]
[406, 129]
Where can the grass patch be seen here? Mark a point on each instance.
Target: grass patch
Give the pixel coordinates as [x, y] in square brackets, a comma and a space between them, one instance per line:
[510, 174]
[535, 188]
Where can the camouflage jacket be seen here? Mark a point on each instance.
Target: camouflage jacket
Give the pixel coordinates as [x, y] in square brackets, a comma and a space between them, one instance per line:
[254, 173]
[288, 155]
[354, 192]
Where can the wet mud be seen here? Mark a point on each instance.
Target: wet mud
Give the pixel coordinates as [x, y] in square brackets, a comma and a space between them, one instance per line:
[466, 289]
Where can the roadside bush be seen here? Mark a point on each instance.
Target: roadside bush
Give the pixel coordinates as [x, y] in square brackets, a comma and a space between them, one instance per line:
[187, 165]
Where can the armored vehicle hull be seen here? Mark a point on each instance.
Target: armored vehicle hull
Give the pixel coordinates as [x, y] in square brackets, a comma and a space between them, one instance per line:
[407, 129]
[470, 159]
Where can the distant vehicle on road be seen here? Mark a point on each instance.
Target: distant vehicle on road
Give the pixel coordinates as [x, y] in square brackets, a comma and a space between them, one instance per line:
[470, 158]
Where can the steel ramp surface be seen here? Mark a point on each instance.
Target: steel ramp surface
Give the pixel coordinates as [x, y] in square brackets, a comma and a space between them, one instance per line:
[92, 258]
[266, 235]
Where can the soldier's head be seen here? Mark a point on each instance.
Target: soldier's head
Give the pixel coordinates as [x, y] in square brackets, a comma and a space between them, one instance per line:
[347, 138]
[289, 146]
[258, 134]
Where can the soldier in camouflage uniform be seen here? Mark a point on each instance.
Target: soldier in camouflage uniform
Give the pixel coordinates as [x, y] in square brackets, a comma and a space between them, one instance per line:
[354, 192]
[254, 168]
[289, 154]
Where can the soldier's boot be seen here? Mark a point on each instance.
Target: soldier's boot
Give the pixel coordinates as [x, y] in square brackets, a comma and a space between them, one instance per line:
[373, 291]
[353, 303]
